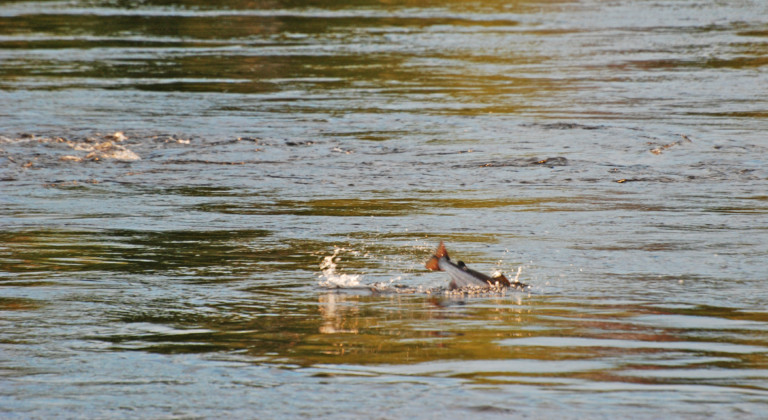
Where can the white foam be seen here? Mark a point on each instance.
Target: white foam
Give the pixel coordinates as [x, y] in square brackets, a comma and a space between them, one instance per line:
[329, 276]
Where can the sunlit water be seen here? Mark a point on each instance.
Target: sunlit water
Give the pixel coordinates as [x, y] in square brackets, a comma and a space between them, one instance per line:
[223, 210]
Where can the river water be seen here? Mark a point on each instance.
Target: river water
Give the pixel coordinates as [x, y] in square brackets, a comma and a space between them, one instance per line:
[196, 196]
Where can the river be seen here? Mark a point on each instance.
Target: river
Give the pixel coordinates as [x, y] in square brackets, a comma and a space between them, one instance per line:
[223, 209]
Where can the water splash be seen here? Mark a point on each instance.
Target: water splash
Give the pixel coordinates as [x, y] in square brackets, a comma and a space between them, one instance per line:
[329, 276]
[517, 276]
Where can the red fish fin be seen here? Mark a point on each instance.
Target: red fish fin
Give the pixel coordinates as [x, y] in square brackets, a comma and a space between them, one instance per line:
[441, 251]
[433, 264]
[501, 279]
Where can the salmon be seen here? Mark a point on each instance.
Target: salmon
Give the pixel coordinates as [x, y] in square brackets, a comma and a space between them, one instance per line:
[463, 276]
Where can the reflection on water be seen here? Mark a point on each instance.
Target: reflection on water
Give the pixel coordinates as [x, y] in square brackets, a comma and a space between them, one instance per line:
[174, 303]
[216, 209]
[339, 316]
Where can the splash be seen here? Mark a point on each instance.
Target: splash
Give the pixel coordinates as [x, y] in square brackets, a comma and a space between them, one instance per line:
[498, 272]
[329, 276]
[517, 276]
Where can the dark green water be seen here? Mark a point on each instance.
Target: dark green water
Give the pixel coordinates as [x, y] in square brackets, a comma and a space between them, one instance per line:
[173, 174]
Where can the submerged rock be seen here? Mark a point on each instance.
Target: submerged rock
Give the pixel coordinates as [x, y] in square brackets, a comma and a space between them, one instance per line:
[109, 150]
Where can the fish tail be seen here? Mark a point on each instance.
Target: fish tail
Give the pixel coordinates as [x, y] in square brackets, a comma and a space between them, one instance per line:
[433, 263]
[441, 251]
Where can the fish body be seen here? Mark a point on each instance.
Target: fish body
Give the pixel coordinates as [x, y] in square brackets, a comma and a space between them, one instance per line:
[460, 274]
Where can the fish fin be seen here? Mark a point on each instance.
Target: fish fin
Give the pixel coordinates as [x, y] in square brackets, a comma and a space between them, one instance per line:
[433, 264]
[441, 251]
[501, 279]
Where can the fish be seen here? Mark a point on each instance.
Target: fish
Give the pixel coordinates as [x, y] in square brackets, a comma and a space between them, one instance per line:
[463, 276]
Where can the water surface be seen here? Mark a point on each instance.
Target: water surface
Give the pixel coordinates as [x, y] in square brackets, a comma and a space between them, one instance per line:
[173, 175]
